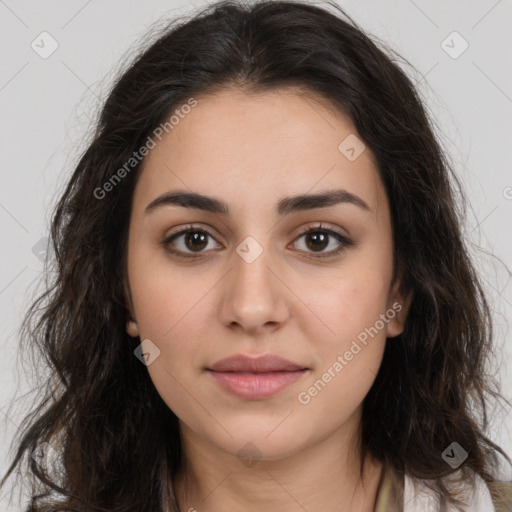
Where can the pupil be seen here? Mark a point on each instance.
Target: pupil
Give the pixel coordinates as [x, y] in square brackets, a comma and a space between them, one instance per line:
[195, 237]
[314, 236]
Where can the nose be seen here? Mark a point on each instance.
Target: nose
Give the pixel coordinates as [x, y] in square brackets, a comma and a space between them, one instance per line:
[254, 295]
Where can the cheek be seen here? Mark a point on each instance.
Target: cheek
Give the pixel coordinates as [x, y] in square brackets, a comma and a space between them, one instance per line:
[168, 308]
[175, 324]
[350, 354]
[181, 333]
[348, 304]
[336, 395]
[163, 297]
[350, 350]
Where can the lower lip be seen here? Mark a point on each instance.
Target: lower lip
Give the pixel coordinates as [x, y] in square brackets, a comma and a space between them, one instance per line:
[256, 386]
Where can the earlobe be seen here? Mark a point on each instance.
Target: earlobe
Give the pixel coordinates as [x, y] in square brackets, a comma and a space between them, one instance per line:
[132, 328]
[131, 324]
[398, 310]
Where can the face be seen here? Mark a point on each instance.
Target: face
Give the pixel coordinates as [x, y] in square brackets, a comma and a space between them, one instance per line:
[244, 278]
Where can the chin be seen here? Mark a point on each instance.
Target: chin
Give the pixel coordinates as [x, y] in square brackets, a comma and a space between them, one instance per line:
[259, 445]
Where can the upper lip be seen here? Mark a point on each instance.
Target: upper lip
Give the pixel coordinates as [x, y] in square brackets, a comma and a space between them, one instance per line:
[266, 363]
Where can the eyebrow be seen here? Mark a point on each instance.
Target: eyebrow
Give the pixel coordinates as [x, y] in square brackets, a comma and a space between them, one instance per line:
[285, 206]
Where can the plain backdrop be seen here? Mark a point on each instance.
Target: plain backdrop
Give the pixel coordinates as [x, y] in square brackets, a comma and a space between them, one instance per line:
[50, 90]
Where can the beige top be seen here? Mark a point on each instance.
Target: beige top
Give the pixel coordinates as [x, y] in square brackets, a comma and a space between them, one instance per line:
[391, 491]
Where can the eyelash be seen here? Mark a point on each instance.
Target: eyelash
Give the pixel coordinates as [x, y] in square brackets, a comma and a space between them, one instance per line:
[345, 242]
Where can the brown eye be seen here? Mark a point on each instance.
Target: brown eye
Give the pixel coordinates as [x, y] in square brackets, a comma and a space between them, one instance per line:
[318, 238]
[187, 242]
[195, 240]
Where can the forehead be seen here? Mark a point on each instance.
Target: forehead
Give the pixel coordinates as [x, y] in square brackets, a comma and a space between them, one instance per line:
[252, 149]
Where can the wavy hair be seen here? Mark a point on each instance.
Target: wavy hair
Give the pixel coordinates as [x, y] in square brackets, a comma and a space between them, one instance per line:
[118, 444]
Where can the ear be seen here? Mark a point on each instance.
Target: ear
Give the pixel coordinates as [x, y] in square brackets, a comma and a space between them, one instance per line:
[131, 324]
[132, 328]
[399, 303]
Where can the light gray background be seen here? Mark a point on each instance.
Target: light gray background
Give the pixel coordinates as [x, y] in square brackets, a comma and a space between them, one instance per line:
[47, 104]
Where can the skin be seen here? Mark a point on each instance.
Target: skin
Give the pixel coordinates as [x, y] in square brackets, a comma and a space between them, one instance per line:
[250, 151]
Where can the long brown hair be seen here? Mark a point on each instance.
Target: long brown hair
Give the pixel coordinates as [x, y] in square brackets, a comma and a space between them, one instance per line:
[117, 441]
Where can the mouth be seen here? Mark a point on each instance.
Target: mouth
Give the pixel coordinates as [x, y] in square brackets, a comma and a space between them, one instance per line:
[255, 378]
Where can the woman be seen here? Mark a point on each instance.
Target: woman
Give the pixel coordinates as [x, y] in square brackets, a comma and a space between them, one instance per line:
[323, 345]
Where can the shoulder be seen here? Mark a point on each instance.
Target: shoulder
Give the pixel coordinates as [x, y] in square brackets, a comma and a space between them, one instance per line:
[501, 494]
[403, 493]
[479, 496]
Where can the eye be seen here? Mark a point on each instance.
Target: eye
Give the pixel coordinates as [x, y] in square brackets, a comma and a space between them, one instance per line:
[318, 238]
[192, 240]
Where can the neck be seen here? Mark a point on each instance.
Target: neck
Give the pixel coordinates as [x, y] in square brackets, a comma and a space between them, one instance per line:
[323, 476]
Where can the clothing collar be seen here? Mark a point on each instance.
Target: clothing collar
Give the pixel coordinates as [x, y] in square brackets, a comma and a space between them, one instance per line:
[402, 493]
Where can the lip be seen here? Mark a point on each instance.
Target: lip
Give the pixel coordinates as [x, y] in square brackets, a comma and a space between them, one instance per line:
[255, 378]
[266, 363]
